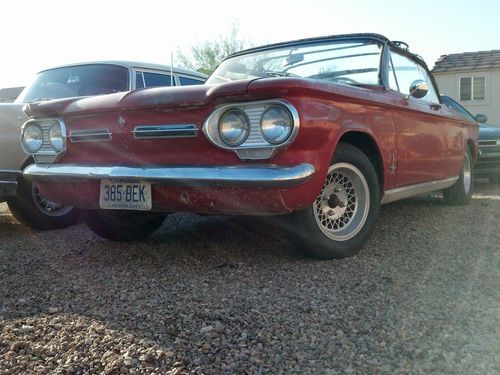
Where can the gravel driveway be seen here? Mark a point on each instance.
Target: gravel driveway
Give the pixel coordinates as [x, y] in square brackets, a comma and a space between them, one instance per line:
[221, 295]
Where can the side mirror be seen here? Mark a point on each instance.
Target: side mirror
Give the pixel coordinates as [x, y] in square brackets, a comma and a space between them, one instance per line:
[418, 89]
[481, 118]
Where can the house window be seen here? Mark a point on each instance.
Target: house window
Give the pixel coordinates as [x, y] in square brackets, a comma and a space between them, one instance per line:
[472, 88]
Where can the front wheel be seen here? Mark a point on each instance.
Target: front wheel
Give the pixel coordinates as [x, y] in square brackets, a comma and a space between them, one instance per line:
[342, 218]
[123, 225]
[31, 208]
[461, 192]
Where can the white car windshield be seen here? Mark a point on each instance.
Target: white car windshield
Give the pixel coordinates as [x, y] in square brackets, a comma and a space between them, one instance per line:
[78, 80]
[347, 62]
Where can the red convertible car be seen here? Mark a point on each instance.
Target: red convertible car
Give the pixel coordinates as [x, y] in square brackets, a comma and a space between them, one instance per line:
[324, 130]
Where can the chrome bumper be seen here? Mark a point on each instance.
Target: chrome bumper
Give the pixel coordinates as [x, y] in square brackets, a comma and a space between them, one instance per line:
[230, 176]
[8, 183]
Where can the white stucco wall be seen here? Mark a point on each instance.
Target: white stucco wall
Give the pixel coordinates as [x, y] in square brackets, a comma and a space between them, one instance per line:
[449, 84]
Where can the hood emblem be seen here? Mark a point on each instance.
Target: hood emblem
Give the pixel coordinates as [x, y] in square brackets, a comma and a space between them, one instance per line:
[121, 123]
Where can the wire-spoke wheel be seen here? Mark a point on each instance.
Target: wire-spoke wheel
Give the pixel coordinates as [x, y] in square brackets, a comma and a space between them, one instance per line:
[342, 207]
[341, 219]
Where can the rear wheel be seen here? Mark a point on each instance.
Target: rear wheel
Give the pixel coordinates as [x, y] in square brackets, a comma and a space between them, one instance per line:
[31, 208]
[341, 219]
[461, 192]
[123, 225]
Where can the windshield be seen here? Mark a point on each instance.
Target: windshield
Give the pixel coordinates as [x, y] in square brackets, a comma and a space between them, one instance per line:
[81, 80]
[347, 62]
[457, 107]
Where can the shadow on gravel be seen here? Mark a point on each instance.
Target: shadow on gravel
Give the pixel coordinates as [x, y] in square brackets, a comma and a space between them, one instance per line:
[219, 294]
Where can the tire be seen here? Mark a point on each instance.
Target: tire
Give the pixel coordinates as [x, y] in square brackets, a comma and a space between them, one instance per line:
[123, 226]
[461, 192]
[30, 208]
[342, 218]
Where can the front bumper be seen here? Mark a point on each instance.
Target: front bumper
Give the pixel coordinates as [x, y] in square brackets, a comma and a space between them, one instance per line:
[226, 176]
[8, 183]
[249, 189]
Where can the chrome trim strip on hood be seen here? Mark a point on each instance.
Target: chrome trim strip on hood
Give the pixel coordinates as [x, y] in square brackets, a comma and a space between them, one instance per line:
[93, 135]
[165, 131]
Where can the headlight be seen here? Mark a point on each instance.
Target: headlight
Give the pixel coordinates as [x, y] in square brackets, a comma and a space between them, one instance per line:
[276, 124]
[234, 127]
[32, 138]
[56, 137]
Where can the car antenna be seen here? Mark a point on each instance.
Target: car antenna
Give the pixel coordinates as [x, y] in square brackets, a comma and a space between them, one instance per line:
[171, 68]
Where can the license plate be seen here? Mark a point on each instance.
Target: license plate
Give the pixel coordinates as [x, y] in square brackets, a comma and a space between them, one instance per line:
[125, 195]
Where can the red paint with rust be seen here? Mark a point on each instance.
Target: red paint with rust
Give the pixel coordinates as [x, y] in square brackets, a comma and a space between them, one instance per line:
[425, 144]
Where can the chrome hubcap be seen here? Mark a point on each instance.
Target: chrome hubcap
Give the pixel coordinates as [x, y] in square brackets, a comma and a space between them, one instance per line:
[467, 173]
[49, 208]
[342, 207]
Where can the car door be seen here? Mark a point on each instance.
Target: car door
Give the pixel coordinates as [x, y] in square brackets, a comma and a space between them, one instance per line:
[426, 140]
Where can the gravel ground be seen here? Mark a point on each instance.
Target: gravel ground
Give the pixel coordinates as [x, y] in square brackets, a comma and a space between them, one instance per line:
[222, 295]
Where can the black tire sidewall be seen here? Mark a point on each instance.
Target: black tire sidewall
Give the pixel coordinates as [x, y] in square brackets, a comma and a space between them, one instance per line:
[456, 194]
[123, 226]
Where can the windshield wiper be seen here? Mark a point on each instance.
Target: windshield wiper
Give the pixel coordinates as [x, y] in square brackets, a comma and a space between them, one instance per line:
[39, 100]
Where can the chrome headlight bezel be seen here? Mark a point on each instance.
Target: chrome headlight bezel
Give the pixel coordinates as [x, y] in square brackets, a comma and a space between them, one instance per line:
[31, 128]
[244, 128]
[266, 131]
[255, 146]
[56, 137]
[49, 150]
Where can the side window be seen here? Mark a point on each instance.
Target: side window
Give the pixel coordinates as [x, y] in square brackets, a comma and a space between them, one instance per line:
[139, 80]
[156, 79]
[404, 71]
[187, 81]
[431, 96]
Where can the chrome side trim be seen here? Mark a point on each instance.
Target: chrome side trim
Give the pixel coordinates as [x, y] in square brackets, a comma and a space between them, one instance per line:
[13, 173]
[413, 190]
[165, 131]
[94, 135]
[234, 176]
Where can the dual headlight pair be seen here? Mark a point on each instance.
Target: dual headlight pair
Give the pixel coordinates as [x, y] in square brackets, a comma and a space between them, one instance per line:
[276, 125]
[35, 133]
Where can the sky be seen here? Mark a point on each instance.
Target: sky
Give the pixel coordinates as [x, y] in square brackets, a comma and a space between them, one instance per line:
[39, 34]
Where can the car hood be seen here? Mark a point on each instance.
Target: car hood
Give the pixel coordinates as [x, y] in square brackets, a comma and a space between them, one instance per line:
[165, 97]
[196, 96]
[489, 132]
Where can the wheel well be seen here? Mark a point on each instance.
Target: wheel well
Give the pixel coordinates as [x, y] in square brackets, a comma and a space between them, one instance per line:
[366, 144]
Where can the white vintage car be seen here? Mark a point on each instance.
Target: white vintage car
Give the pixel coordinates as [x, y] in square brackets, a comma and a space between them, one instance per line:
[85, 79]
